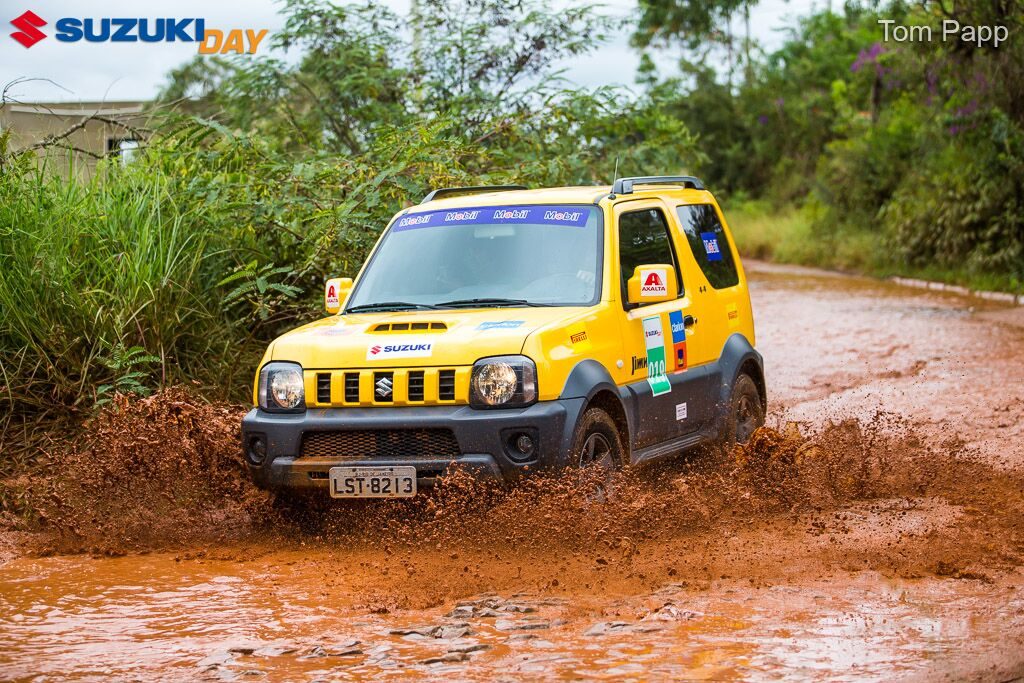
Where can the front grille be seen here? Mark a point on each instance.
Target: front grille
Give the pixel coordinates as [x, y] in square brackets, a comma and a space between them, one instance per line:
[380, 443]
[323, 387]
[351, 387]
[446, 385]
[390, 386]
[416, 385]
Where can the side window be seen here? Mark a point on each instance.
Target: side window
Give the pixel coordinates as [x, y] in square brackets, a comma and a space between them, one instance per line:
[709, 244]
[644, 238]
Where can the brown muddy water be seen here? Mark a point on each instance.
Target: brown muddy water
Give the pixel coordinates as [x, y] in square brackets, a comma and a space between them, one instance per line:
[875, 532]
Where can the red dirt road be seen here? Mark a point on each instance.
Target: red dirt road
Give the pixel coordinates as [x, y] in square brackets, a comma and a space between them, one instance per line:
[886, 546]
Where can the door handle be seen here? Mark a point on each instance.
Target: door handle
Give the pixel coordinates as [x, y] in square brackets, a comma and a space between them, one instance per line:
[689, 321]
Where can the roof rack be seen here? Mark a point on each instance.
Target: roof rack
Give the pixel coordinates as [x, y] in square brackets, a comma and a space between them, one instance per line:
[625, 185]
[476, 189]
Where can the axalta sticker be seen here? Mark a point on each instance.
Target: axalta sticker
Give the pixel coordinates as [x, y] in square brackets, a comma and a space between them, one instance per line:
[711, 247]
[331, 298]
[413, 349]
[654, 340]
[500, 324]
[680, 412]
[652, 283]
[731, 312]
[677, 322]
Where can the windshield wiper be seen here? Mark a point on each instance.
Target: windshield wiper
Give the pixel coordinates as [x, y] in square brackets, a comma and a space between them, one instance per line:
[388, 306]
[488, 301]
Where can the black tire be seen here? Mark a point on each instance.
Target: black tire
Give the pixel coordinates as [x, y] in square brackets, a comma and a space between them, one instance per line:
[746, 412]
[597, 441]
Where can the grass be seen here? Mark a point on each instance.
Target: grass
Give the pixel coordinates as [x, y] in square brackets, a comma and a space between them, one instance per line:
[793, 234]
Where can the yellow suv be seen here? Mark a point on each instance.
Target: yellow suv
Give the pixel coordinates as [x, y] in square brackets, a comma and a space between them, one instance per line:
[505, 330]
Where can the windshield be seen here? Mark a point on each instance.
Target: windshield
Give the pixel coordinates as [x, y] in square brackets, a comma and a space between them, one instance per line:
[501, 255]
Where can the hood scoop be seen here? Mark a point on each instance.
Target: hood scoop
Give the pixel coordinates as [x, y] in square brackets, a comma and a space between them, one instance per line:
[418, 327]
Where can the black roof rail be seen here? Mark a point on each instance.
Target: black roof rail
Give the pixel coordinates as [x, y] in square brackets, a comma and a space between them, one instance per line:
[625, 185]
[476, 189]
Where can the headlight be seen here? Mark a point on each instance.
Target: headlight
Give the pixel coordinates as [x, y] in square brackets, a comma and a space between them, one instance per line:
[281, 388]
[503, 382]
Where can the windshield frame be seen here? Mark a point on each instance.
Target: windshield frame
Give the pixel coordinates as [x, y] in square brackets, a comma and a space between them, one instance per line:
[599, 273]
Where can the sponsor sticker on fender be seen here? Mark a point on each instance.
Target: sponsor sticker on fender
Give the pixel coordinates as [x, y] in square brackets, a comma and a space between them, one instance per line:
[653, 282]
[408, 348]
[678, 325]
[654, 340]
[579, 340]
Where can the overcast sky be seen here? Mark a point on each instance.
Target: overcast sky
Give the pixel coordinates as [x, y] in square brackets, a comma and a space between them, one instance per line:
[129, 71]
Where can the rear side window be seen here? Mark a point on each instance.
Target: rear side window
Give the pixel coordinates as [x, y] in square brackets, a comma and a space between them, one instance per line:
[709, 244]
[644, 238]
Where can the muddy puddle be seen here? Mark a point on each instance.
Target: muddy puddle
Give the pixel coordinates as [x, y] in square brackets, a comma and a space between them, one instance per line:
[158, 617]
[875, 531]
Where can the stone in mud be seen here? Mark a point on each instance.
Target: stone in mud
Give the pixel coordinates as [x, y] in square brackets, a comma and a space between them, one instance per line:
[448, 657]
[522, 609]
[670, 612]
[315, 652]
[462, 611]
[456, 630]
[242, 649]
[425, 631]
[466, 648]
[453, 631]
[520, 637]
[605, 627]
[608, 627]
[509, 625]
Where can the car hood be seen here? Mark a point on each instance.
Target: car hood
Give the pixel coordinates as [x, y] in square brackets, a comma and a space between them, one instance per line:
[415, 338]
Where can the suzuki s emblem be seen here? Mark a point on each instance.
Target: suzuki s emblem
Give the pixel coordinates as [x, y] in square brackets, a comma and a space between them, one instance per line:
[383, 388]
[29, 23]
[374, 350]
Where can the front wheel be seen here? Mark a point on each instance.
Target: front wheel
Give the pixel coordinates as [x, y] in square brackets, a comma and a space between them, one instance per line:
[746, 412]
[597, 442]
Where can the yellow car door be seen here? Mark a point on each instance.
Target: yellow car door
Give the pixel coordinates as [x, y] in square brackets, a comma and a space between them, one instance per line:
[668, 386]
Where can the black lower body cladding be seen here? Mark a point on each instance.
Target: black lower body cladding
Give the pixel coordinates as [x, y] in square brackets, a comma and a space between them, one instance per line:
[297, 450]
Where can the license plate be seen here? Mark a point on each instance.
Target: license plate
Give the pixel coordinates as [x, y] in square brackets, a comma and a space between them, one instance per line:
[372, 482]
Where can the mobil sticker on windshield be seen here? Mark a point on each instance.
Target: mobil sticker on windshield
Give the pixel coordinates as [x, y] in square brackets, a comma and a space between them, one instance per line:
[576, 216]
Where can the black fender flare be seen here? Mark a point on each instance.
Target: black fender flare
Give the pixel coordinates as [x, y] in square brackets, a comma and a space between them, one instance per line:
[586, 380]
[736, 355]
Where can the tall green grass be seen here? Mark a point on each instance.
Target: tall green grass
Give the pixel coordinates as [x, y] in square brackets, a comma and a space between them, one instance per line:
[105, 285]
[804, 236]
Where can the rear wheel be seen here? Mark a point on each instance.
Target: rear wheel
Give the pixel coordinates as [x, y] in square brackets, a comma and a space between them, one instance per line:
[746, 412]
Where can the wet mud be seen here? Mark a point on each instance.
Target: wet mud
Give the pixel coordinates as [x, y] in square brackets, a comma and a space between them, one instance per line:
[872, 531]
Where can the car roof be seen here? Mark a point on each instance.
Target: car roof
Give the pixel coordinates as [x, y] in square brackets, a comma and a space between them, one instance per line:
[582, 194]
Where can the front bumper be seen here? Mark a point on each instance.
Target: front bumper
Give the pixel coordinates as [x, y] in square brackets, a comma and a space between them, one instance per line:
[483, 440]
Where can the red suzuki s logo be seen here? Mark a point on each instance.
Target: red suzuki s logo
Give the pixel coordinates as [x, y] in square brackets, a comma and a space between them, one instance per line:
[29, 34]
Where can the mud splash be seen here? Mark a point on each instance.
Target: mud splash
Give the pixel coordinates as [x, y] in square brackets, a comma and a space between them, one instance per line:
[146, 473]
[166, 472]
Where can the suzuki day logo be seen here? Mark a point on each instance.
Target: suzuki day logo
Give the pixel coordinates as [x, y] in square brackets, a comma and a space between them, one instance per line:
[132, 30]
[653, 283]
